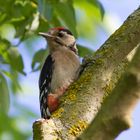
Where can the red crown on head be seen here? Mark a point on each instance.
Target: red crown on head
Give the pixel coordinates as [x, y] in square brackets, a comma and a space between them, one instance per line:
[62, 29]
[58, 28]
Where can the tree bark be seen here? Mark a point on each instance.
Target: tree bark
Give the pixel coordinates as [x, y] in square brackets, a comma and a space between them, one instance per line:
[115, 113]
[85, 97]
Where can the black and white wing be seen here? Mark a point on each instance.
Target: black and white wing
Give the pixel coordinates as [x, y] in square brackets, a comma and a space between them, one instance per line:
[44, 86]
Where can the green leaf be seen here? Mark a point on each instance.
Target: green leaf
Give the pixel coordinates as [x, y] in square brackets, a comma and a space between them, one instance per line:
[82, 50]
[15, 60]
[20, 13]
[43, 25]
[7, 32]
[55, 21]
[58, 13]
[88, 18]
[4, 45]
[14, 81]
[13, 57]
[65, 12]
[46, 9]
[99, 5]
[38, 59]
[4, 94]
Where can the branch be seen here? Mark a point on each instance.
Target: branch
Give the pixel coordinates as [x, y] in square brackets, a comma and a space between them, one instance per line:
[115, 114]
[82, 101]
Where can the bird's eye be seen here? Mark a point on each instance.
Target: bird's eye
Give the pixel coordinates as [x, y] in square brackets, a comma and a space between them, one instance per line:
[60, 34]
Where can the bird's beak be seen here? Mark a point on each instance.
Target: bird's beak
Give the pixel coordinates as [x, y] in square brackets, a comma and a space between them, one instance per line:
[46, 35]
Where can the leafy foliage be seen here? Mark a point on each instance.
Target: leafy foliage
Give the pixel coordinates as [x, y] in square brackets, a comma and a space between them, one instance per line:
[82, 50]
[20, 20]
[4, 94]
[37, 59]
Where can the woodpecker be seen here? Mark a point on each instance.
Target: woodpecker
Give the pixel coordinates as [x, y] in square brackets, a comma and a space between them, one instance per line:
[60, 68]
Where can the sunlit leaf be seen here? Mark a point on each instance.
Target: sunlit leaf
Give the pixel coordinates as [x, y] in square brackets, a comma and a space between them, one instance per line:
[4, 45]
[99, 5]
[4, 94]
[88, 15]
[7, 31]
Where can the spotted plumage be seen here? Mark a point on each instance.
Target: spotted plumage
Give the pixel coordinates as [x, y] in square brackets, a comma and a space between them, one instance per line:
[44, 84]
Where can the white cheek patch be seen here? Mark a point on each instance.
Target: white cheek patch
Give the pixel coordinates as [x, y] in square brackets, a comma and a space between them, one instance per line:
[69, 39]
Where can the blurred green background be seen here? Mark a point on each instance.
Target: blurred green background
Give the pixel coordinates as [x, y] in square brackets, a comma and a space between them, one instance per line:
[22, 51]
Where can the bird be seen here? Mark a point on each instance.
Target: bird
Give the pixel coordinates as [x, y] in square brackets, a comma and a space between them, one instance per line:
[60, 69]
